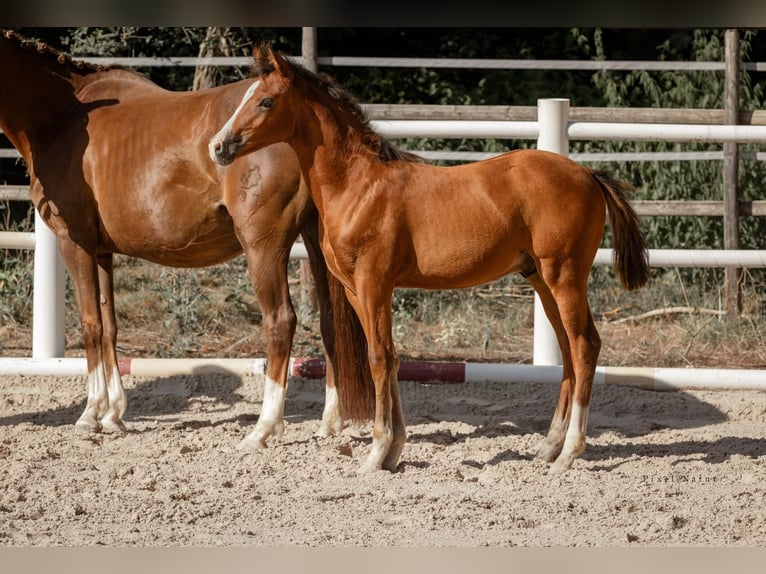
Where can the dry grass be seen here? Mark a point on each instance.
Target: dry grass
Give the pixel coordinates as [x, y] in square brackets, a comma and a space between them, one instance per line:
[164, 312]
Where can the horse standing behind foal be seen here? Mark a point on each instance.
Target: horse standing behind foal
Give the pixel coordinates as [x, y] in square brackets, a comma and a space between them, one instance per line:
[119, 165]
[390, 221]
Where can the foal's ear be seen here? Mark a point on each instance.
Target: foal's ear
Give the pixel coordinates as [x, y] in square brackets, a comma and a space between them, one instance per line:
[267, 60]
[261, 59]
[280, 63]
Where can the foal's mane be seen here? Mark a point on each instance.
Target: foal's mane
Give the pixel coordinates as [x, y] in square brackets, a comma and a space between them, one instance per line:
[60, 58]
[385, 150]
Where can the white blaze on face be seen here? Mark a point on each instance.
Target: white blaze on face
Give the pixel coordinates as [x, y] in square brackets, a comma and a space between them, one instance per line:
[225, 132]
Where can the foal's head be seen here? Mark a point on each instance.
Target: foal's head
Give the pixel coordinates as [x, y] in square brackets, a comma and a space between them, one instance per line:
[267, 112]
[264, 116]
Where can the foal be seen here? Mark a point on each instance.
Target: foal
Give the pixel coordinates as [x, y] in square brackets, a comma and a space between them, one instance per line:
[390, 221]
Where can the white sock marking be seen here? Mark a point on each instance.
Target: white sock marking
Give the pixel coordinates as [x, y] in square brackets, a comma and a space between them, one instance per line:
[273, 403]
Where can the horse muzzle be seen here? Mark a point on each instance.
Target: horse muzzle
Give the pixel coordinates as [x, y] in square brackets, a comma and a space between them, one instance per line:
[223, 151]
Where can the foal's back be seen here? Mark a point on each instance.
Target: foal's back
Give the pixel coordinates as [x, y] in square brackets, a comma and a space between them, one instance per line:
[477, 222]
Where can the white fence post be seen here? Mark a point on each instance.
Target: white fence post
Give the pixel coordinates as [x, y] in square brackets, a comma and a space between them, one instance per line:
[552, 118]
[48, 328]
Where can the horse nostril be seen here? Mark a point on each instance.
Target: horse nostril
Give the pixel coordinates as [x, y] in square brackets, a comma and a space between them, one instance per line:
[217, 146]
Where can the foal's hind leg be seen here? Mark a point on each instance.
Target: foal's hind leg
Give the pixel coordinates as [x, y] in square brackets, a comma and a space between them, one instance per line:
[580, 350]
[551, 445]
[585, 345]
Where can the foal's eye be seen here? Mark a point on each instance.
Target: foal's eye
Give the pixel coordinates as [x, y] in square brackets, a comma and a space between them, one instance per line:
[267, 103]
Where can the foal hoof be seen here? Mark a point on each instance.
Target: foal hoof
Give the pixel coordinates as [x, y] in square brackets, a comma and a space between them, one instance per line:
[559, 467]
[87, 425]
[251, 443]
[369, 467]
[327, 430]
[113, 426]
[547, 452]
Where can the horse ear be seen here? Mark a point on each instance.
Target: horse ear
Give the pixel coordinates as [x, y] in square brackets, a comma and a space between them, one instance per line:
[261, 56]
[280, 63]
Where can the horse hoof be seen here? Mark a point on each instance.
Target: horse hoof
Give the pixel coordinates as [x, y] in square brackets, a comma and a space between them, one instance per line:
[87, 426]
[251, 444]
[329, 430]
[368, 468]
[547, 452]
[560, 466]
[113, 426]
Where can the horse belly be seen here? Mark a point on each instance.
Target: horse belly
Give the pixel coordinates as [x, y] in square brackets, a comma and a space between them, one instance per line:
[165, 231]
[462, 262]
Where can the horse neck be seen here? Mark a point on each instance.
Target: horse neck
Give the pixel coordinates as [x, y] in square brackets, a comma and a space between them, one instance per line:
[37, 91]
[331, 150]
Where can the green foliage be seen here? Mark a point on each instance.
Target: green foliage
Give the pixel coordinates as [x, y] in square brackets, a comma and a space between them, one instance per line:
[184, 301]
[682, 180]
[16, 273]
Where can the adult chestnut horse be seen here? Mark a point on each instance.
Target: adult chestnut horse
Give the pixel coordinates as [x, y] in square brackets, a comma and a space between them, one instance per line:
[390, 221]
[119, 165]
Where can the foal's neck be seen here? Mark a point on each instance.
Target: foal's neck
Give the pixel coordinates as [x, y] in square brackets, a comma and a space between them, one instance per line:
[332, 147]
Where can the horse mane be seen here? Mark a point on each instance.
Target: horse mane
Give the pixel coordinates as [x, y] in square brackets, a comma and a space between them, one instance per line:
[60, 58]
[385, 150]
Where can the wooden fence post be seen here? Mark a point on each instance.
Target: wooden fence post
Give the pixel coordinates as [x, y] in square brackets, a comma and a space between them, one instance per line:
[308, 301]
[731, 173]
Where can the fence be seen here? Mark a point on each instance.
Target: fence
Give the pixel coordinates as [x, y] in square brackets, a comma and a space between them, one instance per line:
[553, 131]
[552, 122]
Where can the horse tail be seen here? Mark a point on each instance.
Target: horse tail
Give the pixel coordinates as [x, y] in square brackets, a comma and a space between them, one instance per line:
[631, 257]
[356, 390]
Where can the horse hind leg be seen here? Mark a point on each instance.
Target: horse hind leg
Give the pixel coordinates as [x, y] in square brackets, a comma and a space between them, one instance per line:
[586, 344]
[566, 305]
[550, 447]
[332, 421]
[580, 351]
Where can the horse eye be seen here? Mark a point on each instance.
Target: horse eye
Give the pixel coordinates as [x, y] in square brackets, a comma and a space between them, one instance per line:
[267, 103]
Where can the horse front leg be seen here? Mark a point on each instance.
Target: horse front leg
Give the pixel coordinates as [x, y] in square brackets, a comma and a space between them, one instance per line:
[82, 269]
[111, 421]
[389, 434]
[268, 274]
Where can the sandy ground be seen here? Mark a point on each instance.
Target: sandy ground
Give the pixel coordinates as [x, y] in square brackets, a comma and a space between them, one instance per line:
[661, 469]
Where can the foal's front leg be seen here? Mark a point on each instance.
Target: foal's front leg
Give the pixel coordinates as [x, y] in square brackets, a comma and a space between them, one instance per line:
[388, 432]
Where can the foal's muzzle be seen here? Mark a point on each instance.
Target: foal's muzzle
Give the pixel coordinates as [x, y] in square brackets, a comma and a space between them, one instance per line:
[224, 151]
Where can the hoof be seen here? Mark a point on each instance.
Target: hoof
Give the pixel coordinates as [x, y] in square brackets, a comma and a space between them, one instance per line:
[113, 426]
[559, 467]
[369, 467]
[87, 425]
[547, 452]
[251, 443]
[327, 430]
